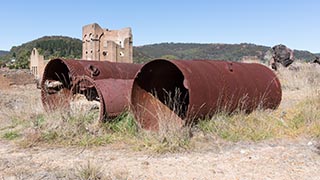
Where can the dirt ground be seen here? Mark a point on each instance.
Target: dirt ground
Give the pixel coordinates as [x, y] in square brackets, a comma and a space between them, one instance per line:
[9, 77]
[285, 159]
[272, 159]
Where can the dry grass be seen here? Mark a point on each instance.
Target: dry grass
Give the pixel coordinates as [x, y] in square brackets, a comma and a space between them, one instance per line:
[24, 121]
[95, 171]
[80, 129]
[89, 171]
[168, 141]
[299, 76]
[172, 134]
[298, 114]
[303, 120]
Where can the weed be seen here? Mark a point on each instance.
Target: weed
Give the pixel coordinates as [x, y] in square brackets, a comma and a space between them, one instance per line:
[49, 136]
[11, 135]
[174, 141]
[123, 124]
[89, 172]
[38, 120]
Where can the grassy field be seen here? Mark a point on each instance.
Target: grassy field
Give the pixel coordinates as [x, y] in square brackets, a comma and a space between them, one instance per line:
[24, 121]
[62, 134]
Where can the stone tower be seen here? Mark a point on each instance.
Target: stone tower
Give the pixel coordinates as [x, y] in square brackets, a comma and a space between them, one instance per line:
[106, 45]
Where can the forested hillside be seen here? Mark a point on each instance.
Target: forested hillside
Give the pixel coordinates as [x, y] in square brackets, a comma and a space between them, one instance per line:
[66, 47]
[233, 52]
[49, 46]
[2, 53]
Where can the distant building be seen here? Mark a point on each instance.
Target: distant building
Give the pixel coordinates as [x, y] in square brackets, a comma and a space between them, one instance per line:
[97, 44]
[37, 64]
[106, 45]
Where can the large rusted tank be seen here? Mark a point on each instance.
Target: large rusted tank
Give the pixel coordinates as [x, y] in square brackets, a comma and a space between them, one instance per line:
[60, 75]
[185, 90]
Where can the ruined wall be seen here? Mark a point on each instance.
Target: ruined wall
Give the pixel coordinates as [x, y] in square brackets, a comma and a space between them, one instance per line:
[106, 45]
[37, 64]
[91, 38]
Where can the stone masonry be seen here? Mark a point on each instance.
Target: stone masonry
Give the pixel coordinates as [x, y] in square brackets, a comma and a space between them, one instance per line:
[106, 45]
[37, 64]
[97, 44]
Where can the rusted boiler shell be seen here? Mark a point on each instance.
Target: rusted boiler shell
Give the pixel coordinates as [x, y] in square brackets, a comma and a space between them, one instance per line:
[63, 70]
[204, 87]
[60, 74]
[112, 94]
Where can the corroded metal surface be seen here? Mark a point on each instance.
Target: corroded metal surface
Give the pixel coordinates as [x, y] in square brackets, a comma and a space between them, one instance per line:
[112, 94]
[151, 113]
[198, 88]
[116, 95]
[66, 72]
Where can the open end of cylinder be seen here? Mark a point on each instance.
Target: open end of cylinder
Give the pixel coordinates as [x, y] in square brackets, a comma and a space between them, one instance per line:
[87, 98]
[159, 88]
[55, 85]
[57, 71]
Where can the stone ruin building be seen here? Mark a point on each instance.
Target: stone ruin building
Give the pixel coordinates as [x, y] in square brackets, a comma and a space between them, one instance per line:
[37, 64]
[97, 44]
[106, 45]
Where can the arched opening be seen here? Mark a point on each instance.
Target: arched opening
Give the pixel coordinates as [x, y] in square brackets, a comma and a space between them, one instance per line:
[164, 80]
[56, 85]
[57, 71]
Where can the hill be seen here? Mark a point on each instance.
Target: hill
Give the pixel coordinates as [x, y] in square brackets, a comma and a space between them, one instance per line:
[3, 53]
[233, 52]
[66, 47]
[49, 46]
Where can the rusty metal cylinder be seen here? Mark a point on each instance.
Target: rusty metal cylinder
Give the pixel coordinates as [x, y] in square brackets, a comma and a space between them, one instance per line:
[113, 95]
[60, 75]
[197, 88]
[64, 70]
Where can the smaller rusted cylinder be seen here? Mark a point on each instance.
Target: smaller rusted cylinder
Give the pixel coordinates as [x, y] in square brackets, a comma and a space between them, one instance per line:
[60, 75]
[112, 94]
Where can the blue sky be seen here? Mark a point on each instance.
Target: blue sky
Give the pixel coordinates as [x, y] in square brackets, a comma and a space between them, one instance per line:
[293, 23]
